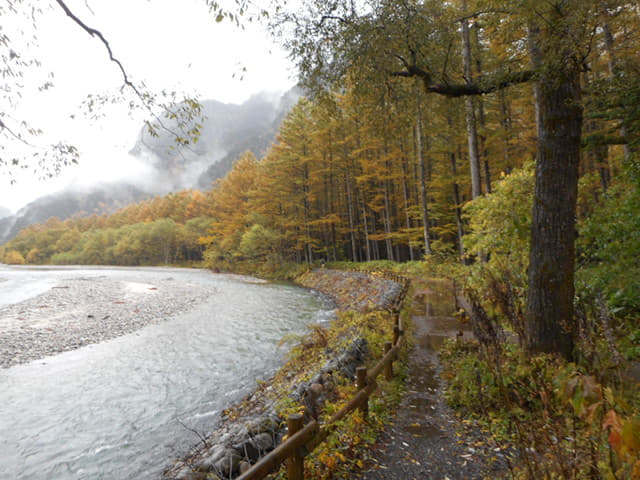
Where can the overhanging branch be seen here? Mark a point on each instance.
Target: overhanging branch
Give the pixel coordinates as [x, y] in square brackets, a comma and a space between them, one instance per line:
[145, 100]
[486, 85]
[602, 140]
[97, 33]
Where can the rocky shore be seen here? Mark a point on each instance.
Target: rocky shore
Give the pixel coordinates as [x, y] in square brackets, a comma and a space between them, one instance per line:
[79, 311]
[357, 291]
[85, 310]
[253, 428]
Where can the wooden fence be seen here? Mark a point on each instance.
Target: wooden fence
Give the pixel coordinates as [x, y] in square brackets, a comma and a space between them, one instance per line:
[303, 439]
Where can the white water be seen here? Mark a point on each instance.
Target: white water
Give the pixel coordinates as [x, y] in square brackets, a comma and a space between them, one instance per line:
[114, 410]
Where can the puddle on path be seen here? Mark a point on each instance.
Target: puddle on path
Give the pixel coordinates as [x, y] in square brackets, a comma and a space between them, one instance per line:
[423, 441]
[423, 430]
[434, 322]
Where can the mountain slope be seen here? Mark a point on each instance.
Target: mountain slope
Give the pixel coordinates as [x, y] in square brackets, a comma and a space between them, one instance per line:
[98, 200]
[227, 132]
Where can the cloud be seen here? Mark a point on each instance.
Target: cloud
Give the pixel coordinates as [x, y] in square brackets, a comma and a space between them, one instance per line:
[165, 45]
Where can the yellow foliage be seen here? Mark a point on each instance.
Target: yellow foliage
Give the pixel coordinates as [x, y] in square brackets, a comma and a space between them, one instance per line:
[13, 257]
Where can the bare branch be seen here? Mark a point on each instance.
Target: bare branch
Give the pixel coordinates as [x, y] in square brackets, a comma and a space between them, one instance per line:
[202, 438]
[600, 139]
[402, 59]
[333, 17]
[96, 33]
[480, 13]
[4, 126]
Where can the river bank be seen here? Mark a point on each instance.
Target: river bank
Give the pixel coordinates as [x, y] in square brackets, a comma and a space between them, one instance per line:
[317, 369]
[125, 407]
[88, 309]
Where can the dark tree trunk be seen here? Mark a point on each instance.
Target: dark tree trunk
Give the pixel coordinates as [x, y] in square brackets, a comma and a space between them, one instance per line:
[424, 209]
[550, 319]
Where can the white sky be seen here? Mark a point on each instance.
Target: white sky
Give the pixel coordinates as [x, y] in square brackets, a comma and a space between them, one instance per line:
[173, 45]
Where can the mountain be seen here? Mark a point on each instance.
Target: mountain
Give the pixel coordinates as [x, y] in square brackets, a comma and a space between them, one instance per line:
[227, 131]
[4, 212]
[258, 140]
[99, 199]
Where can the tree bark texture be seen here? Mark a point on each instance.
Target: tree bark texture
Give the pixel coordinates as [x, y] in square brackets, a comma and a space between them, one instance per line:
[550, 318]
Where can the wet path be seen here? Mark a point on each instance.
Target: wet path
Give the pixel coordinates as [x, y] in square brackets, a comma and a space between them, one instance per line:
[425, 440]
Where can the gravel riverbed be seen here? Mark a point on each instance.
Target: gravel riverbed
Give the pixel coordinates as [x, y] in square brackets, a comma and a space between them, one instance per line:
[85, 310]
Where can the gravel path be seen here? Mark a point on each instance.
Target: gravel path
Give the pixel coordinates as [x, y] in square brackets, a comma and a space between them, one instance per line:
[426, 440]
[85, 310]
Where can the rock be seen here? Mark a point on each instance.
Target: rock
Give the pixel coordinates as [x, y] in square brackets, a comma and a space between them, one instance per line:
[228, 464]
[239, 434]
[347, 362]
[190, 475]
[254, 448]
[263, 424]
[214, 456]
[315, 390]
[313, 399]
[263, 442]
[244, 467]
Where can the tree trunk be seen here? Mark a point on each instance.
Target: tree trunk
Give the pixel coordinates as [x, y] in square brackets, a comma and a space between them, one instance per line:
[481, 116]
[550, 319]
[505, 121]
[307, 212]
[423, 187]
[386, 218]
[405, 197]
[612, 64]
[457, 205]
[472, 132]
[366, 227]
[598, 155]
[352, 234]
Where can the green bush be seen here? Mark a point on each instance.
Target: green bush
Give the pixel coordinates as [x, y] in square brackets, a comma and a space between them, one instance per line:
[609, 248]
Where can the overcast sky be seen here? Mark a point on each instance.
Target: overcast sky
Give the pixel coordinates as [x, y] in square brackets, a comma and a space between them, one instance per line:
[168, 44]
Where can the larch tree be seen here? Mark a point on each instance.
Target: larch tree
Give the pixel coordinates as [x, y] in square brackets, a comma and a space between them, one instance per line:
[230, 197]
[550, 42]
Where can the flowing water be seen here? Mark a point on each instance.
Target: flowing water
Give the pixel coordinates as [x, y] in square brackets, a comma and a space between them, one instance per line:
[119, 409]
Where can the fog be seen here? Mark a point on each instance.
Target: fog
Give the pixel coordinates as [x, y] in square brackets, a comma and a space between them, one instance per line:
[177, 49]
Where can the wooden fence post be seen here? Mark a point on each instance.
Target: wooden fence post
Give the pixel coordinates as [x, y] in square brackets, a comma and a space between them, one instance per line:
[396, 334]
[295, 463]
[361, 382]
[388, 368]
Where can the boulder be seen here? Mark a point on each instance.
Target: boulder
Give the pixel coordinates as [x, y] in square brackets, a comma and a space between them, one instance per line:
[267, 423]
[254, 448]
[228, 465]
[221, 460]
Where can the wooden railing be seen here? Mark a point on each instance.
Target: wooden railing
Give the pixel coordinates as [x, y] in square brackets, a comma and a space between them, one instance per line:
[303, 439]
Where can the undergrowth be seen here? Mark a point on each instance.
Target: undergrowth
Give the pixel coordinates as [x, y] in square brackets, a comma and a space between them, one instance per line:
[558, 421]
[346, 449]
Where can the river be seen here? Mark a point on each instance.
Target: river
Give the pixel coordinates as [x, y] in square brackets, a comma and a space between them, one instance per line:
[120, 409]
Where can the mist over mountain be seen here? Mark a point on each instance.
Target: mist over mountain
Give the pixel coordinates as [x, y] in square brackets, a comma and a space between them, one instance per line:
[99, 199]
[227, 132]
[4, 212]
[253, 138]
